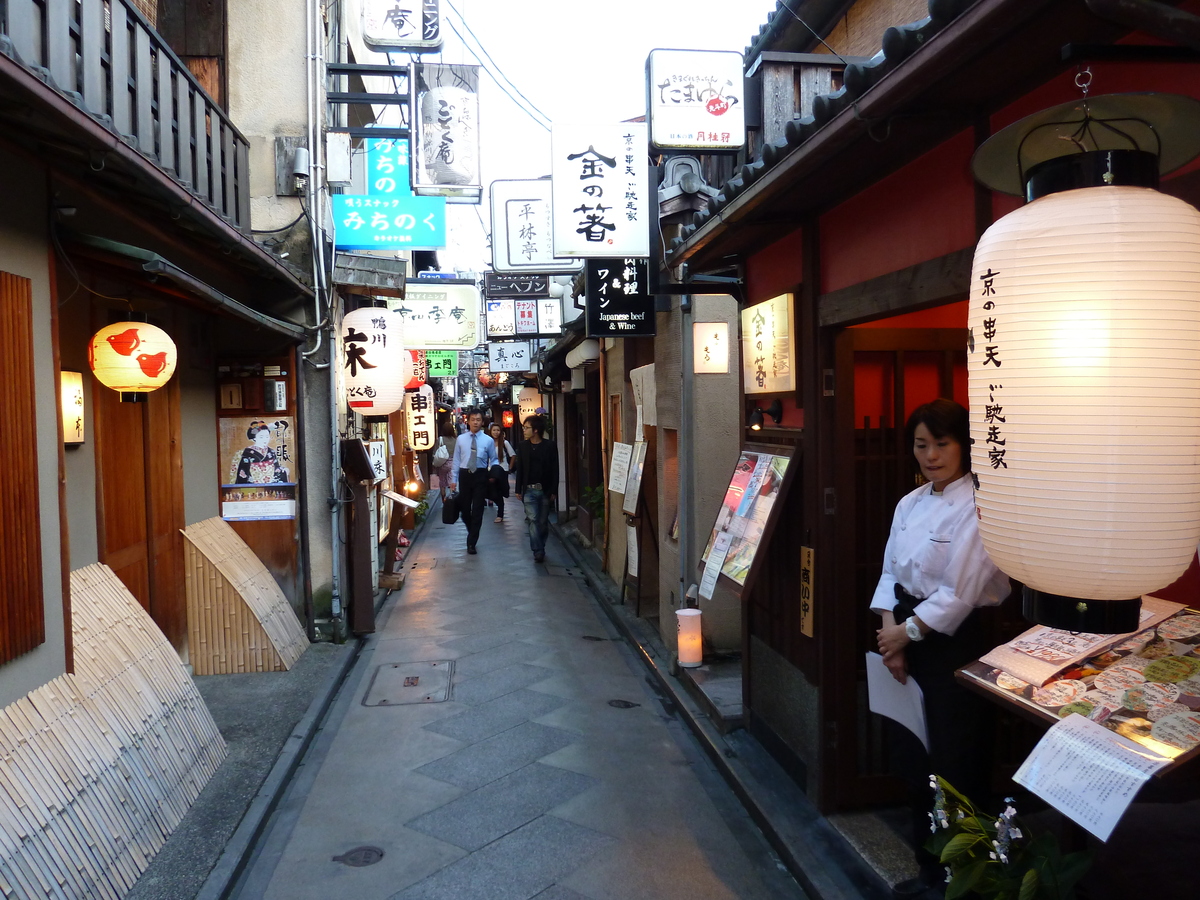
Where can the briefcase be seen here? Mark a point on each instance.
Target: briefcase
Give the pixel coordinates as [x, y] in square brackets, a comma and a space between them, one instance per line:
[450, 509]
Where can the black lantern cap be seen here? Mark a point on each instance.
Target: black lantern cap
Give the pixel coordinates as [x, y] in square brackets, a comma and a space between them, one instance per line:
[1075, 614]
[1165, 125]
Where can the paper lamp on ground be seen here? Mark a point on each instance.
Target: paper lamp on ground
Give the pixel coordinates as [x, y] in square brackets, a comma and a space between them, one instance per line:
[375, 364]
[690, 642]
[132, 358]
[1084, 360]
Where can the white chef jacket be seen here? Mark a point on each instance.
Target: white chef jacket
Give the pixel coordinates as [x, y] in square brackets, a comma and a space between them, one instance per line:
[934, 552]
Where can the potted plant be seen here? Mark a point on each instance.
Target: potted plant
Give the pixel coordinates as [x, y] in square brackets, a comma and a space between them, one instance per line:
[990, 857]
[592, 504]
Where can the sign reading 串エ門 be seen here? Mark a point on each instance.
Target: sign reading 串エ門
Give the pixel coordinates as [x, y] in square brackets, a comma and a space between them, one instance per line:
[617, 302]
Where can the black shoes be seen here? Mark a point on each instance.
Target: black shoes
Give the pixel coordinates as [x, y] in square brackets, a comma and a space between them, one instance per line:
[471, 551]
[539, 557]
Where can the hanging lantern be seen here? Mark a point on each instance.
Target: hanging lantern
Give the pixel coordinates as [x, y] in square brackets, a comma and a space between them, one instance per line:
[1084, 360]
[132, 358]
[376, 366]
[420, 414]
[486, 378]
[420, 370]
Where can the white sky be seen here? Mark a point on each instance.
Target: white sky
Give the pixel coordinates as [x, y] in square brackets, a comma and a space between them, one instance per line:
[577, 61]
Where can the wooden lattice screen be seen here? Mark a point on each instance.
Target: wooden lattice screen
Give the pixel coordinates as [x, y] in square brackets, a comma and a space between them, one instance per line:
[22, 624]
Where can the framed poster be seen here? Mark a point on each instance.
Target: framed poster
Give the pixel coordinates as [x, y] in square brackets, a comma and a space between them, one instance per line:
[258, 470]
[748, 513]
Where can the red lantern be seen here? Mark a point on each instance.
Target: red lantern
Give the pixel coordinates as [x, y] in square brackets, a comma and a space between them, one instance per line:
[420, 370]
[506, 418]
[486, 378]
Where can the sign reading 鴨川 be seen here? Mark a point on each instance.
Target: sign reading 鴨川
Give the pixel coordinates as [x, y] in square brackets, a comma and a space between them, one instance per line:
[599, 190]
[695, 100]
[616, 298]
[768, 346]
[522, 229]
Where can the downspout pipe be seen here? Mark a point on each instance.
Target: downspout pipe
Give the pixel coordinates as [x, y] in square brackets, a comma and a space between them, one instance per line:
[686, 460]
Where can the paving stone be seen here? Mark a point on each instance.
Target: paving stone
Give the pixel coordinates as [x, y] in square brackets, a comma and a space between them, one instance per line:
[520, 865]
[474, 766]
[497, 657]
[497, 683]
[558, 892]
[480, 817]
[473, 643]
[497, 715]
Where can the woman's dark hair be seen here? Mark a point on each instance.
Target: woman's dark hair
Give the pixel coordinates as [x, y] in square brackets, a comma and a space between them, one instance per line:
[255, 428]
[943, 418]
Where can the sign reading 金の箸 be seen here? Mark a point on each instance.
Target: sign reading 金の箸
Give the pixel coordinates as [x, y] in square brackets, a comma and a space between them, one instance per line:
[617, 302]
[695, 99]
[768, 346]
[599, 190]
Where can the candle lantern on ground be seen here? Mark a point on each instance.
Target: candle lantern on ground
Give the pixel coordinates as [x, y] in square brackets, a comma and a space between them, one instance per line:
[690, 643]
[1084, 359]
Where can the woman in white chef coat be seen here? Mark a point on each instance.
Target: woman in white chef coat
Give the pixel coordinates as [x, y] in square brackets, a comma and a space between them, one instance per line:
[935, 574]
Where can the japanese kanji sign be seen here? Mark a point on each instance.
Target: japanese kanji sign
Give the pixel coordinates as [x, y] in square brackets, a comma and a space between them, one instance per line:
[445, 131]
[420, 414]
[510, 356]
[402, 25]
[442, 363]
[522, 229]
[375, 366]
[510, 318]
[768, 347]
[710, 347]
[388, 215]
[439, 316]
[695, 99]
[520, 287]
[599, 190]
[617, 302]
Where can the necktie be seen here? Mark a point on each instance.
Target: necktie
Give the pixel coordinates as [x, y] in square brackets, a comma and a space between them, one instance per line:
[471, 466]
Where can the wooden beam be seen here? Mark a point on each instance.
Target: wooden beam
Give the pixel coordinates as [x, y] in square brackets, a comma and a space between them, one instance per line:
[930, 283]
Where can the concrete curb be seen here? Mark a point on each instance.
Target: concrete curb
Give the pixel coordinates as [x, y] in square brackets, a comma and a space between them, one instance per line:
[230, 865]
[816, 855]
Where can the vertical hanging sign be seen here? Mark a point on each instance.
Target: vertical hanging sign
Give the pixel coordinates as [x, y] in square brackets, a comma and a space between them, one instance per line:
[617, 302]
[522, 228]
[599, 187]
[806, 591]
[445, 131]
[420, 414]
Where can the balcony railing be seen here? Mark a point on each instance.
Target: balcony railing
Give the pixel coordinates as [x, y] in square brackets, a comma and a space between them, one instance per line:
[110, 61]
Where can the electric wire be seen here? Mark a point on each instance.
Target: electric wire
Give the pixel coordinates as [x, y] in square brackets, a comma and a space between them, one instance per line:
[813, 31]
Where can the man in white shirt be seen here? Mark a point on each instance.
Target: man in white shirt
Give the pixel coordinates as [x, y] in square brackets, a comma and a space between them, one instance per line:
[474, 455]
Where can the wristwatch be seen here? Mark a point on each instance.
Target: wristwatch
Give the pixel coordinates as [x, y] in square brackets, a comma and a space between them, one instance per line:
[912, 629]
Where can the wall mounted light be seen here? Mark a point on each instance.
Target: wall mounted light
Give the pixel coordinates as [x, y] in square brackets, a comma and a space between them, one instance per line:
[71, 403]
[132, 357]
[710, 348]
[774, 410]
[1084, 359]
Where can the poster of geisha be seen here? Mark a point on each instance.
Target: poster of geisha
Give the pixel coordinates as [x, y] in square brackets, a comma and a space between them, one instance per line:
[745, 516]
[258, 468]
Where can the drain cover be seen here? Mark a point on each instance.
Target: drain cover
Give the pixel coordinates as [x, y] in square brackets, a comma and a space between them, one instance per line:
[360, 856]
[398, 684]
[623, 704]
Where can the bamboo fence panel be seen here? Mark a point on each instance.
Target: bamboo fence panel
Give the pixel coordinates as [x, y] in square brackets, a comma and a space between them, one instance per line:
[98, 767]
[238, 618]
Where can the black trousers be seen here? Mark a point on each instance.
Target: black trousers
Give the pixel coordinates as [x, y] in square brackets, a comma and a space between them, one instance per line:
[960, 730]
[472, 491]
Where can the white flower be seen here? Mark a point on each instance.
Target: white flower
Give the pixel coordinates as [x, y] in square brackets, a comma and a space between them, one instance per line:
[1015, 833]
[992, 855]
[1009, 812]
[949, 874]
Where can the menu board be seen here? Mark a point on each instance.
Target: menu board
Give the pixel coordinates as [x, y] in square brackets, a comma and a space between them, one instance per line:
[746, 512]
[1145, 688]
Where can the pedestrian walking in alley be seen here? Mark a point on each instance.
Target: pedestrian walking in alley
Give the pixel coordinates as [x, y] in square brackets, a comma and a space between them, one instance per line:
[474, 456]
[444, 469]
[498, 488]
[537, 482]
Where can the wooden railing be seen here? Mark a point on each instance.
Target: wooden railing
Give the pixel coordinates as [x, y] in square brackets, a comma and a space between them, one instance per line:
[110, 61]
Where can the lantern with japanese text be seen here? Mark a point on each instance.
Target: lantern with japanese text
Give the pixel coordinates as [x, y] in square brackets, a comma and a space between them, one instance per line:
[420, 415]
[375, 364]
[1084, 360]
[132, 358]
[420, 370]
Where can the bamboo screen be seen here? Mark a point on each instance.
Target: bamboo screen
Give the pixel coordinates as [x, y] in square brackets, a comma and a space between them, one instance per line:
[22, 624]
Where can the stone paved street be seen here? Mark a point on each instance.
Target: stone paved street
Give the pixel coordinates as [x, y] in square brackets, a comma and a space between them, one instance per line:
[552, 771]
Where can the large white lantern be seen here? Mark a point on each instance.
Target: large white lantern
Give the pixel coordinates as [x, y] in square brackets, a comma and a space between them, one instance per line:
[375, 364]
[1084, 381]
[133, 358]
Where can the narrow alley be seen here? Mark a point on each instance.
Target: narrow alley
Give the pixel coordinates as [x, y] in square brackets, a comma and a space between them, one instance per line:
[546, 767]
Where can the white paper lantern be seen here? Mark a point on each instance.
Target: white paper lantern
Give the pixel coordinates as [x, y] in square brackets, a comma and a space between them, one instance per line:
[375, 364]
[690, 641]
[133, 358]
[420, 414]
[1084, 380]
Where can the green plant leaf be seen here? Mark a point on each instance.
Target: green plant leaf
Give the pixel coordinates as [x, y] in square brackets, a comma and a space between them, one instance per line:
[966, 879]
[958, 845]
[1029, 885]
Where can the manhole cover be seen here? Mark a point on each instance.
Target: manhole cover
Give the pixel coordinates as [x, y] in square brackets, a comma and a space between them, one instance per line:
[398, 684]
[592, 637]
[623, 704]
[360, 856]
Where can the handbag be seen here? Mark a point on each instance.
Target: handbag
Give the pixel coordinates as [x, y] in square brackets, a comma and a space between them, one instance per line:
[500, 479]
[441, 455]
[450, 509]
